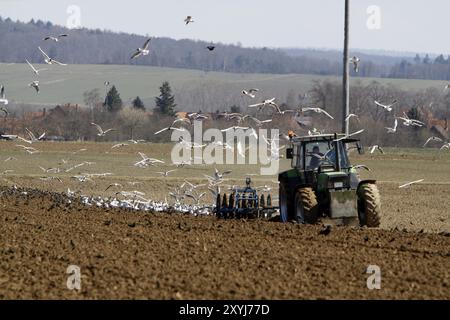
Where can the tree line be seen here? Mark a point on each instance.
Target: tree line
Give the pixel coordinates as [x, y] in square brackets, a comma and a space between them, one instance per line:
[19, 41]
[135, 122]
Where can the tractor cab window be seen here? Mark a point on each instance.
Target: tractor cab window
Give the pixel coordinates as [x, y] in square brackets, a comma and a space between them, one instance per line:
[322, 153]
[297, 157]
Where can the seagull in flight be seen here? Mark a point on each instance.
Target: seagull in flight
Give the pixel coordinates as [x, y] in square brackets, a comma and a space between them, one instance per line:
[35, 71]
[260, 123]
[56, 39]
[410, 122]
[445, 146]
[119, 145]
[250, 93]
[33, 137]
[432, 139]
[387, 107]
[101, 133]
[169, 129]
[3, 96]
[361, 166]
[394, 129]
[265, 103]
[355, 60]
[165, 173]
[49, 60]
[113, 185]
[410, 183]
[188, 20]
[351, 115]
[142, 51]
[318, 110]
[197, 116]
[376, 147]
[35, 85]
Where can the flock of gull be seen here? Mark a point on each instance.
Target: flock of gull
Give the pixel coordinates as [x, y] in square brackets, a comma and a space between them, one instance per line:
[136, 200]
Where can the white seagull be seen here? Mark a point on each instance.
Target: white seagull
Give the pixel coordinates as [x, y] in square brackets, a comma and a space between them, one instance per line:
[35, 71]
[169, 129]
[355, 60]
[165, 173]
[49, 60]
[318, 110]
[35, 85]
[394, 129]
[387, 107]
[101, 133]
[432, 139]
[56, 39]
[33, 137]
[142, 51]
[410, 183]
[250, 93]
[3, 96]
[410, 122]
[188, 20]
[376, 147]
[265, 103]
[351, 115]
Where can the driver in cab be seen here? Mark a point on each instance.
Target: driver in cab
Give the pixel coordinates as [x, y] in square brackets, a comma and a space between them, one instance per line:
[316, 157]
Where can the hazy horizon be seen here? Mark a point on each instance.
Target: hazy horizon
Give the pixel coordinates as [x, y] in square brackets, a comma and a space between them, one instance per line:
[289, 24]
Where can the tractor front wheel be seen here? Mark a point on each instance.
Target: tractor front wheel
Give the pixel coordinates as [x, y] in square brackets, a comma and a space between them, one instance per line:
[369, 205]
[306, 207]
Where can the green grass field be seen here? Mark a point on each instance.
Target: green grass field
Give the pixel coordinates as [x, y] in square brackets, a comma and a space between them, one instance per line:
[66, 84]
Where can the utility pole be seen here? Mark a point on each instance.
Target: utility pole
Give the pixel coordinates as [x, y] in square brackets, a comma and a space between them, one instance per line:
[346, 76]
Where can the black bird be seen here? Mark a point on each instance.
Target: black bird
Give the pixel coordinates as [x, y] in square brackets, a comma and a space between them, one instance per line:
[210, 48]
[326, 229]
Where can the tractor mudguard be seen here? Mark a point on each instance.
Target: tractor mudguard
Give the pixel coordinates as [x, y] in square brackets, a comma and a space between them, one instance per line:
[366, 181]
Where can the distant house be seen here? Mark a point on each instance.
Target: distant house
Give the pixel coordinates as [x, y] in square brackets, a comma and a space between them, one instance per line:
[439, 128]
[440, 132]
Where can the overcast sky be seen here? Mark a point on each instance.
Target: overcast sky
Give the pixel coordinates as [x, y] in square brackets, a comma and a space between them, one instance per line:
[414, 25]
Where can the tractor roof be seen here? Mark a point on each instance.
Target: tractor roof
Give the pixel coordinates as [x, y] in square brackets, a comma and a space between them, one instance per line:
[323, 137]
[319, 137]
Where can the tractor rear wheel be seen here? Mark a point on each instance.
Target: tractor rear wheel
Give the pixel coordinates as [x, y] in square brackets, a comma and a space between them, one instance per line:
[369, 205]
[306, 206]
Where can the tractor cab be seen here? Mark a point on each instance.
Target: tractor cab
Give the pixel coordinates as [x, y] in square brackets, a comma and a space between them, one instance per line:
[322, 182]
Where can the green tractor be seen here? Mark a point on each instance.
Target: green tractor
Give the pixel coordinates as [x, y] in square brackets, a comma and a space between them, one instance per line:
[322, 183]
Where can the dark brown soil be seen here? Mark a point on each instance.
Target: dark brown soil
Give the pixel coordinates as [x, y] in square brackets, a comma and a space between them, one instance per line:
[129, 255]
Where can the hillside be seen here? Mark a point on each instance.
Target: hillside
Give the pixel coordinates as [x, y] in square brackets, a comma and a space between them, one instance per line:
[19, 41]
[193, 89]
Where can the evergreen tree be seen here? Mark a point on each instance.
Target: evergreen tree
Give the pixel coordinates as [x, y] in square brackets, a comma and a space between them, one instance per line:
[138, 104]
[235, 109]
[165, 103]
[113, 102]
[440, 59]
[417, 59]
[427, 59]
